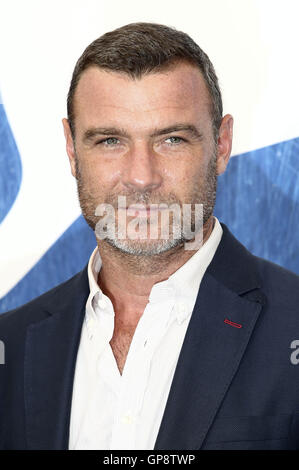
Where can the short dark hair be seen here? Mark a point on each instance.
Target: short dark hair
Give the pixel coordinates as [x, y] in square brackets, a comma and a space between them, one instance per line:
[140, 48]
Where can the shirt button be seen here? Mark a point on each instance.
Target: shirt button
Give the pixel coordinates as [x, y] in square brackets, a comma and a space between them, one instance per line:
[127, 419]
[102, 303]
[90, 327]
[182, 312]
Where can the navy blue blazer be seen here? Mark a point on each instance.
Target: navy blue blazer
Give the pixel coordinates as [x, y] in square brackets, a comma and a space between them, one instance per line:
[235, 385]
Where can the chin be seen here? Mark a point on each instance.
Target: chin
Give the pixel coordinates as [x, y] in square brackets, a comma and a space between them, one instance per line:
[144, 248]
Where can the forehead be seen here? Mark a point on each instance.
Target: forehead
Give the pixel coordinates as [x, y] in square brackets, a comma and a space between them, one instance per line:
[157, 96]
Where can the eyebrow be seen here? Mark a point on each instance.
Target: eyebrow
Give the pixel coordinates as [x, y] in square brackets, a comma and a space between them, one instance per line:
[89, 134]
[93, 132]
[190, 128]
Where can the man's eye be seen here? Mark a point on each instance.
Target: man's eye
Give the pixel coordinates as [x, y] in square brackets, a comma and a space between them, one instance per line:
[110, 141]
[175, 140]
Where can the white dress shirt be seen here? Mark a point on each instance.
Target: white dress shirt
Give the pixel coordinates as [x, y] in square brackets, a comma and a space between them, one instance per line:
[112, 411]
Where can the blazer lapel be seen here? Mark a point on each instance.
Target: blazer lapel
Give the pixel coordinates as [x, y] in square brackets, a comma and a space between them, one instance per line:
[50, 358]
[209, 358]
[212, 349]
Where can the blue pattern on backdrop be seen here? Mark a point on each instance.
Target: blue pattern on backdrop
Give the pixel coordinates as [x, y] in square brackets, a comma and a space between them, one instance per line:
[10, 166]
[67, 256]
[258, 199]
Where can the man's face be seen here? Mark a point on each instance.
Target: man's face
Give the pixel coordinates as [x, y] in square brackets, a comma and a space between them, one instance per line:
[149, 139]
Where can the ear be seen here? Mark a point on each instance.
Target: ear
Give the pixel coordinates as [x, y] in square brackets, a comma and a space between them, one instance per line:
[224, 143]
[70, 146]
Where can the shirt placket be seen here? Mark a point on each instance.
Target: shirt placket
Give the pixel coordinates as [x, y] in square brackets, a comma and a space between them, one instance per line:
[134, 381]
[106, 367]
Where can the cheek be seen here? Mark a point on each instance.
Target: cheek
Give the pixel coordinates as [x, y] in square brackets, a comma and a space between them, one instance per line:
[183, 176]
[98, 177]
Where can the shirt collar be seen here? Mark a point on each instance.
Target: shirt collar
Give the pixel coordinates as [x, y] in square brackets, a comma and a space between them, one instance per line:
[185, 282]
[182, 285]
[187, 278]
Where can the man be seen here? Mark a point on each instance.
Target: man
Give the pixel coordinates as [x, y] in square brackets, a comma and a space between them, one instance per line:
[157, 343]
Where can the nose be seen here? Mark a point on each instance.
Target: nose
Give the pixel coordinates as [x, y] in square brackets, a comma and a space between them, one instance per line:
[141, 172]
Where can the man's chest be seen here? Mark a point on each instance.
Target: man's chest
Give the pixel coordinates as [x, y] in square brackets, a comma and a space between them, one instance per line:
[120, 344]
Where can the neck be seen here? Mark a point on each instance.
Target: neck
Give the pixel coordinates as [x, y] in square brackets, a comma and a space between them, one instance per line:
[128, 279]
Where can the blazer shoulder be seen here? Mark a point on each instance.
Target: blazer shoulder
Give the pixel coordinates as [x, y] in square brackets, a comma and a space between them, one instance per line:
[36, 309]
[245, 273]
[274, 273]
[279, 284]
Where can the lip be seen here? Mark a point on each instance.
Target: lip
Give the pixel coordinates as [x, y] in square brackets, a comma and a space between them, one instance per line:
[141, 211]
[142, 208]
[147, 208]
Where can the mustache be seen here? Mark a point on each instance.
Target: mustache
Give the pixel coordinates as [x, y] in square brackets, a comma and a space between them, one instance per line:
[144, 198]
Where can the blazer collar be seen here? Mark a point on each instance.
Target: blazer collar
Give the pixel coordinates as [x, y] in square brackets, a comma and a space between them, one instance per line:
[209, 357]
[212, 348]
[50, 359]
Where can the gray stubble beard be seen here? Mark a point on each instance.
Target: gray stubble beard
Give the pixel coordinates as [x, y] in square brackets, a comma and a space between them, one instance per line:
[145, 249]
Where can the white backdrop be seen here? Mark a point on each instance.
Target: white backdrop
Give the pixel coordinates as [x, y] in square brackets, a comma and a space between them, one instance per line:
[253, 45]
